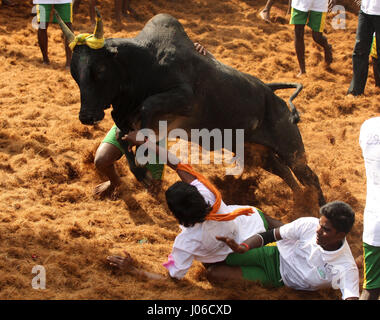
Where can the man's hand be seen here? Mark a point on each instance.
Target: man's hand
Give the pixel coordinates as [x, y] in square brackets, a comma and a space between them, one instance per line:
[131, 137]
[201, 49]
[121, 263]
[233, 245]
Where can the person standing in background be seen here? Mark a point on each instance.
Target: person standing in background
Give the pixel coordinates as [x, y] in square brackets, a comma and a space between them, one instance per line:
[368, 23]
[313, 13]
[64, 9]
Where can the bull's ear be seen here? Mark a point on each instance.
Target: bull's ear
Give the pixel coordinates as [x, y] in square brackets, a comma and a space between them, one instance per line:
[112, 51]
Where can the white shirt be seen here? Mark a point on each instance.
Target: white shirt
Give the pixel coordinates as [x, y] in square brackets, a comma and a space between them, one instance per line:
[199, 242]
[311, 5]
[51, 1]
[369, 141]
[304, 265]
[371, 7]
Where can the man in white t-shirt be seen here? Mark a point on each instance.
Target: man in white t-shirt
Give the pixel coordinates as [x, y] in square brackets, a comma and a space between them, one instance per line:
[44, 8]
[369, 141]
[202, 215]
[368, 23]
[311, 254]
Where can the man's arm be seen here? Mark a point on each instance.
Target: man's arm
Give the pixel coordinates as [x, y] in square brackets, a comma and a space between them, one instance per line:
[173, 161]
[125, 264]
[256, 241]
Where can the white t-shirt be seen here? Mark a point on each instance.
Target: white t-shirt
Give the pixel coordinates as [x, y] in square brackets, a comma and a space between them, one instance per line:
[199, 242]
[371, 7]
[51, 1]
[369, 141]
[311, 5]
[304, 265]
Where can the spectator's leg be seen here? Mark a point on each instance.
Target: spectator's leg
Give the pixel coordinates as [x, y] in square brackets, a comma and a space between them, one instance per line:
[376, 71]
[320, 39]
[265, 13]
[76, 4]
[92, 4]
[360, 56]
[126, 8]
[118, 9]
[43, 13]
[299, 42]
[43, 42]
[375, 66]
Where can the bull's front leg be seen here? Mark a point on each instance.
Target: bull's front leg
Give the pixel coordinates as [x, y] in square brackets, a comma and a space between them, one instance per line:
[177, 101]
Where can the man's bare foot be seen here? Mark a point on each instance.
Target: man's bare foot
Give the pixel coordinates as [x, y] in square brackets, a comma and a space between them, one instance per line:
[301, 73]
[264, 14]
[46, 61]
[105, 189]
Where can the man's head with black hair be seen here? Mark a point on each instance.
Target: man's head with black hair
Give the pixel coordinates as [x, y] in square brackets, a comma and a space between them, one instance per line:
[340, 214]
[337, 219]
[187, 204]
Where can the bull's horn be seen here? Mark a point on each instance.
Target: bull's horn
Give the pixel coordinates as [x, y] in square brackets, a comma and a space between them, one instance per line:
[98, 32]
[70, 36]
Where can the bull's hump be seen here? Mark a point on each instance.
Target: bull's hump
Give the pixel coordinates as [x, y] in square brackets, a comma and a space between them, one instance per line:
[161, 26]
[164, 19]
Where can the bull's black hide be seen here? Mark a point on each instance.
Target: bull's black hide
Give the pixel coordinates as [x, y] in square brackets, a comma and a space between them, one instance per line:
[159, 76]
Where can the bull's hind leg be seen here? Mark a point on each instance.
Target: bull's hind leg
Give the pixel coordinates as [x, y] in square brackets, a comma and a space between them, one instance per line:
[307, 177]
[273, 165]
[259, 155]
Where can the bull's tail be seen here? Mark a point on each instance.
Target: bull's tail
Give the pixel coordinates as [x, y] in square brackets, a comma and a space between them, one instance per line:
[295, 117]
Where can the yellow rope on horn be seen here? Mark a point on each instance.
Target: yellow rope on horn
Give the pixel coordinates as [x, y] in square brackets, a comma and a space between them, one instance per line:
[87, 39]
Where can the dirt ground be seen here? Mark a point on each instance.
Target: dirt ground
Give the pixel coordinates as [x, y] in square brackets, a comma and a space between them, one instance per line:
[48, 215]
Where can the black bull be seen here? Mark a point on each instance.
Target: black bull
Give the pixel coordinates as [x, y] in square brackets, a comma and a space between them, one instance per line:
[158, 75]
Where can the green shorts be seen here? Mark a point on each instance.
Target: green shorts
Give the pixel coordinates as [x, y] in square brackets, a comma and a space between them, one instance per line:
[371, 267]
[314, 19]
[65, 11]
[157, 169]
[261, 264]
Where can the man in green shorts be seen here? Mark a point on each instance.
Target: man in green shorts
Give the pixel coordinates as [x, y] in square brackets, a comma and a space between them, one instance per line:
[311, 254]
[44, 8]
[313, 13]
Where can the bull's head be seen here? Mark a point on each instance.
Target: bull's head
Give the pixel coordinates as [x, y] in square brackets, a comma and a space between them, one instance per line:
[94, 69]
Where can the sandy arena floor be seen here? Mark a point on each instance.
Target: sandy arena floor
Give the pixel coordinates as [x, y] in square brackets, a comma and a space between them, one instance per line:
[48, 214]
